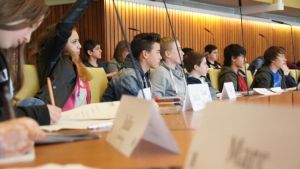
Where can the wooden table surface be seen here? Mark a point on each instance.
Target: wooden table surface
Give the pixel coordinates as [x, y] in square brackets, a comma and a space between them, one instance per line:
[100, 154]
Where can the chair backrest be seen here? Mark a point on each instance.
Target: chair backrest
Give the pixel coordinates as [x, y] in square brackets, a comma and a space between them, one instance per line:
[249, 78]
[214, 78]
[98, 84]
[295, 74]
[31, 83]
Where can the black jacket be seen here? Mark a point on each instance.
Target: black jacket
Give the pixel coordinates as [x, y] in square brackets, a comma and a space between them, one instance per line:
[38, 113]
[52, 63]
[264, 78]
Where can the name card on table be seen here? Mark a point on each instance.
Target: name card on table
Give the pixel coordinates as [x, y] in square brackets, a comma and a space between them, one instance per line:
[147, 93]
[137, 120]
[228, 91]
[245, 136]
[197, 96]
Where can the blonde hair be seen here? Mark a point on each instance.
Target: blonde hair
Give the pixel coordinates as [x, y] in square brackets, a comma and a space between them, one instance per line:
[165, 45]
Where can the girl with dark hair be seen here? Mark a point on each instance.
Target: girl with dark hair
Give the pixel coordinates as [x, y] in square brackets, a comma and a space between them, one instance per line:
[59, 59]
[18, 19]
[119, 57]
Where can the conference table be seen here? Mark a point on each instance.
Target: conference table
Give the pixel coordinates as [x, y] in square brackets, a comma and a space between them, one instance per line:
[100, 154]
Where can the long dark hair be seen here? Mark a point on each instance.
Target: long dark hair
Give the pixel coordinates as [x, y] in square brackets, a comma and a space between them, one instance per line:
[121, 46]
[31, 11]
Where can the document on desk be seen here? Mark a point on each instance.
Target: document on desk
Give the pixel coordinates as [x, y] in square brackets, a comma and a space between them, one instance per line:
[95, 115]
[18, 158]
[240, 136]
[93, 111]
[277, 90]
[264, 91]
[139, 119]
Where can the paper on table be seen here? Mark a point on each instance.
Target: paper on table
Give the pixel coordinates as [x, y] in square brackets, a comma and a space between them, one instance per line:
[73, 124]
[94, 111]
[27, 157]
[277, 90]
[263, 91]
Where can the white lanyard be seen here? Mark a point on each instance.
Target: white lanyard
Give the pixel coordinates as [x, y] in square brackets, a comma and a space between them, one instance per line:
[175, 86]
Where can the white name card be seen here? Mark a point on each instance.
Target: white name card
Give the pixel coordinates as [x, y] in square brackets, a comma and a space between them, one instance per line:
[228, 91]
[197, 97]
[245, 136]
[139, 119]
[147, 93]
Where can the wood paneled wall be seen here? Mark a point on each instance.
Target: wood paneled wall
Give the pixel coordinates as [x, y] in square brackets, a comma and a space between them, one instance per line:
[90, 25]
[189, 28]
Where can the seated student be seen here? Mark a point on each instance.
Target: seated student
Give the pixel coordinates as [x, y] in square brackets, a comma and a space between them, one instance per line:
[259, 62]
[92, 54]
[234, 60]
[17, 136]
[145, 49]
[59, 59]
[168, 79]
[186, 51]
[212, 57]
[18, 20]
[195, 64]
[271, 74]
[120, 54]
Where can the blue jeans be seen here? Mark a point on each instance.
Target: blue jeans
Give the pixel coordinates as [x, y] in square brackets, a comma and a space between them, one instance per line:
[31, 101]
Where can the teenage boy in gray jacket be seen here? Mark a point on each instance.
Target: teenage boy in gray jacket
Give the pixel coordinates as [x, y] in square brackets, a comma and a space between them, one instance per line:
[168, 79]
